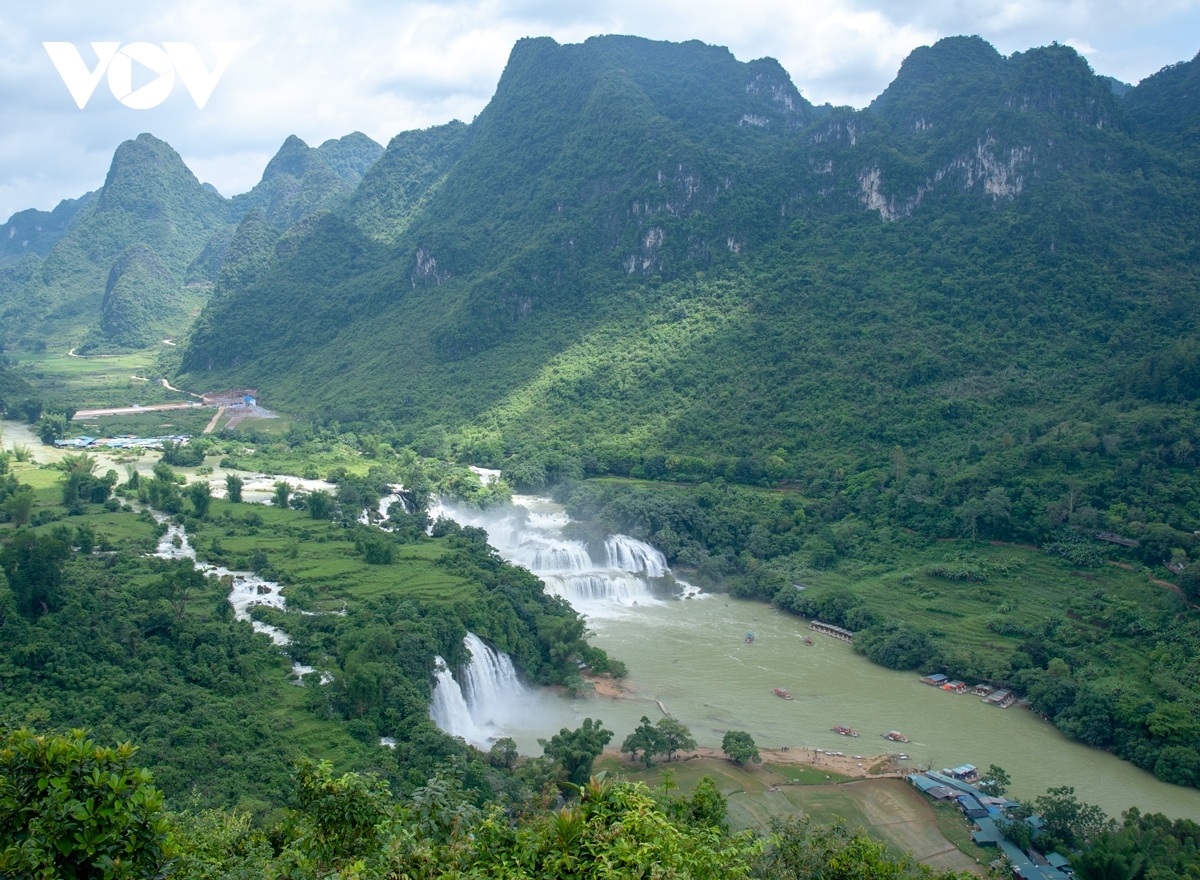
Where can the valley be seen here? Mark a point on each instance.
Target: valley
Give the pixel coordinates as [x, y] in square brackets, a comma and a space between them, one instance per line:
[589, 410]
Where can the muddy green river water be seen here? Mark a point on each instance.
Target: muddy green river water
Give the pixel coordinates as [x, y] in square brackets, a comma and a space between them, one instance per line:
[691, 655]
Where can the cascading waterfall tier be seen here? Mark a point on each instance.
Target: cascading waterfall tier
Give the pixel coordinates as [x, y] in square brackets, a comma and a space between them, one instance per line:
[621, 571]
[483, 700]
[246, 589]
[628, 554]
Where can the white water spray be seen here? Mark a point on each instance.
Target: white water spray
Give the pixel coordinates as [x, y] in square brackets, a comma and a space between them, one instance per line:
[246, 588]
[488, 699]
[622, 571]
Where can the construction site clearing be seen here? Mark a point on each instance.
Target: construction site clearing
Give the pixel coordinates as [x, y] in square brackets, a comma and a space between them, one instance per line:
[239, 404]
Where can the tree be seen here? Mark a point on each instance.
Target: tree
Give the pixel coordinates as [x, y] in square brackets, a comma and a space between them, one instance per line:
[644, 739]
[176, 585]
[320, 504]
[183, 454]
[503, 753]
[1067, 820]
[739, 747]
[968, 514]
[576, 750]
[85, 537]
[18, 506]
[282, 492]
[337, 819]
[53, 426]
[996, 509]
[200, 495]
[1107, 860]
[1189, 582]
[673, 737]
[233, 488]
[707, 806]
[1016, 829]
[70, 808]
[995, 781]
[33, 565]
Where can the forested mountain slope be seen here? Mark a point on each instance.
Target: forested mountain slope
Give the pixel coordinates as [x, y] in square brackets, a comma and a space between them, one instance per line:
[301, 179]
[35, 232]
[151, 208]
[124, 266]
[649, 248]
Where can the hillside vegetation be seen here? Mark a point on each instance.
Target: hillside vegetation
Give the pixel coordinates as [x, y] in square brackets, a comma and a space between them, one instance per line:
[123, 267]
[787, 344]
[967, 311]
[679, 269]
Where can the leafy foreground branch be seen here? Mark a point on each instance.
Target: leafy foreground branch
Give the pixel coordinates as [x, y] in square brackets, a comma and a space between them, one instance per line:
[72, 809]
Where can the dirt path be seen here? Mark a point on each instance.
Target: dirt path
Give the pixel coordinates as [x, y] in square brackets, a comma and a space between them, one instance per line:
[90, 357]
[170, 387]
[211, 426]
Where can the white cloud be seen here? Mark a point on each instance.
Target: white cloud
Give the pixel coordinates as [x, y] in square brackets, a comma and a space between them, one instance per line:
[322, 68]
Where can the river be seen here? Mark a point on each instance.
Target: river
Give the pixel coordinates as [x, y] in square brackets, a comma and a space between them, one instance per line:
[687, 650]
[690, 654]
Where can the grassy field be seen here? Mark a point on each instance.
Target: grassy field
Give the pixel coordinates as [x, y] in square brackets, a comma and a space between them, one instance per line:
[152, 424]
[321, 567]
[890, 810]
[90, 382]
[1018, 590]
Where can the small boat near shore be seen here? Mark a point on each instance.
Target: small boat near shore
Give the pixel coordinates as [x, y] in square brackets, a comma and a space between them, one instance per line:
[844, 731]
[895, 736]
[780, 692]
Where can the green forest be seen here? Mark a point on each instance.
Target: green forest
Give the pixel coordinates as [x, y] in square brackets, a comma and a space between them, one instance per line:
[928, 370]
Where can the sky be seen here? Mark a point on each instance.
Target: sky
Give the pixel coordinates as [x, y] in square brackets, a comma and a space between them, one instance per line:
[323, 68]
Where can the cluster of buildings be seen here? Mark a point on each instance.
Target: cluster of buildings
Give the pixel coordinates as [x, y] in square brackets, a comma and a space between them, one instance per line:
[129, 442]
[983, 810]
[992, 696]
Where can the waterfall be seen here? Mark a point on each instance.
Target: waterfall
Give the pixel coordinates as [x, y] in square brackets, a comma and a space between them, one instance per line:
[629, 554]
[586, 589]
[540, 555]
[532, 534]
[246, 589]
[484, 700]
[448, 709]
[493, 691]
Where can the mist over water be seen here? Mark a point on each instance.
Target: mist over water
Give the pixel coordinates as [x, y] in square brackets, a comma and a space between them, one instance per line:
[599, 577]
[485, 699]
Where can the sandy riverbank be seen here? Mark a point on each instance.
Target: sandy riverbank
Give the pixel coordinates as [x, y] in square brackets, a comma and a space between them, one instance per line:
[610, 688]
[864, 766]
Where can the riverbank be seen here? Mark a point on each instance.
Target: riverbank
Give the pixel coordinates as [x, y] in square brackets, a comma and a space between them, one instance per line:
[692, 657]
[889, 809]
[849, 766]
[610, 688]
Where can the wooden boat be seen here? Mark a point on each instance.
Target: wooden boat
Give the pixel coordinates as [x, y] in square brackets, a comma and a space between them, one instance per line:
[780, 692]
[895, 736]
[808, 640]
[845, 731]
[749, 638]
